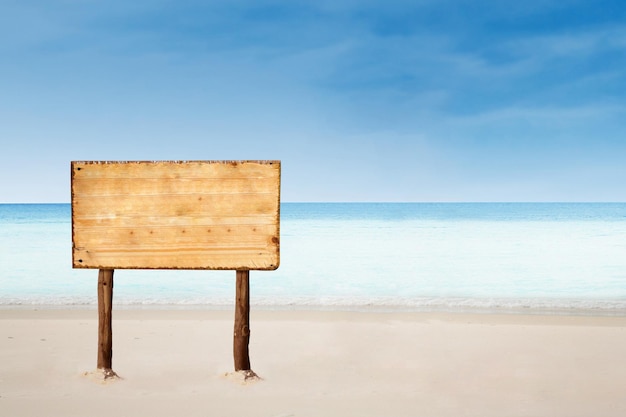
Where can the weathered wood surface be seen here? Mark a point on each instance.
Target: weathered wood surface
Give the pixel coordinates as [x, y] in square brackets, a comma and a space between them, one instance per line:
[241, 335]
[176, 215]
[105, 329]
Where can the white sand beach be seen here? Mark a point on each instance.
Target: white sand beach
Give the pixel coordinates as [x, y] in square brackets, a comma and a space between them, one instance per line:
[312, 363]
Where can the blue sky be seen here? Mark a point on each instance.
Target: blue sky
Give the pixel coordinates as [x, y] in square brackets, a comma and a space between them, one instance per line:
[394, 100]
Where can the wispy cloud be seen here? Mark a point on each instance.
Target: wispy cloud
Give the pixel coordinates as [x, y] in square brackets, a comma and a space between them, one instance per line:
[457, 91]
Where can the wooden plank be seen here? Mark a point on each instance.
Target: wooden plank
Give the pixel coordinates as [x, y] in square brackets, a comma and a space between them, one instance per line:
[174, 205]
[121, 186]
[176, 215]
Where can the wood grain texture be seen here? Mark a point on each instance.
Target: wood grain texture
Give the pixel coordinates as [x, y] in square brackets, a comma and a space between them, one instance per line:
[105, 329]
[176, 215]
[241, 335]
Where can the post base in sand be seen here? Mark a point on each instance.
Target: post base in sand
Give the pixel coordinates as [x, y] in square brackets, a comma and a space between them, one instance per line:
[109, 373]
[243, 377]
[102, 375]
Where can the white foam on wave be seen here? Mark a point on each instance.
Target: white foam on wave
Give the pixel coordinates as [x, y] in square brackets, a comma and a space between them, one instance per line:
[379, 304]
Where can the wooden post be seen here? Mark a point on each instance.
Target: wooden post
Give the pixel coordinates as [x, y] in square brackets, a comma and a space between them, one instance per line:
[242, 322]
[105, 332]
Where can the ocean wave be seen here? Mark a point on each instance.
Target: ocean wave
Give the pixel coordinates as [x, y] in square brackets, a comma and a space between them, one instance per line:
[380, 304]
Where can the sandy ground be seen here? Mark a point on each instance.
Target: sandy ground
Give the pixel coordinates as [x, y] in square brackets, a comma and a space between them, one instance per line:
[175, 363]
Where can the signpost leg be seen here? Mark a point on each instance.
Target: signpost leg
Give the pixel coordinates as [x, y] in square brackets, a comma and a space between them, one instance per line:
[105, 332]
[242, 322]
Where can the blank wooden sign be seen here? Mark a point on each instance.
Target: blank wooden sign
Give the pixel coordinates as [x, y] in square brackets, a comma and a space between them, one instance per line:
[176, 215]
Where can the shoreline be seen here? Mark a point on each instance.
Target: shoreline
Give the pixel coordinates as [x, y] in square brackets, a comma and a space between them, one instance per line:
[152, 313]
[372, 309]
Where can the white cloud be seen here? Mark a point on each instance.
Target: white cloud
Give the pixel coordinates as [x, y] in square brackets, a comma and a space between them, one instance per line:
[547, 116]
[577, 45]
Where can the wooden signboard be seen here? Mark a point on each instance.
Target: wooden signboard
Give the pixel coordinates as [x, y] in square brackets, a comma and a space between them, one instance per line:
[175, 215]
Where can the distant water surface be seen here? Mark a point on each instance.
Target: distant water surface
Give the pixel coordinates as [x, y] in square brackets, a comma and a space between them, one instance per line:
[414, 256]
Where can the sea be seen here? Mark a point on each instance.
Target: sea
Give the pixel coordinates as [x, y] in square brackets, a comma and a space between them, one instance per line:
[485, 257]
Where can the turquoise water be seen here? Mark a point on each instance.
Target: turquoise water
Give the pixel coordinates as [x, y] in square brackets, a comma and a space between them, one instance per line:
[352, 255]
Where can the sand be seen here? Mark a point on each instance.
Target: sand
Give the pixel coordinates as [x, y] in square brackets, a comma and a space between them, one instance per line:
[179, 363]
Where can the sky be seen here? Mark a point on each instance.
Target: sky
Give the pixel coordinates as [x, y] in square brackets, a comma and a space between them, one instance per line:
[361, 100]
